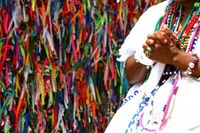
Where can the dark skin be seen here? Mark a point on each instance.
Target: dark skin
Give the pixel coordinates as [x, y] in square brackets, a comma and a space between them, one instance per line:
[164, 50]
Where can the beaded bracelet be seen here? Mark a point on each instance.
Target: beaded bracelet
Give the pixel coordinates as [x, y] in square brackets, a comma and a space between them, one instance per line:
[192, 64]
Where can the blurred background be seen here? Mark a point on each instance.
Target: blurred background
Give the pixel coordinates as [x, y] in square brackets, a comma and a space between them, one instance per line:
[58, 68]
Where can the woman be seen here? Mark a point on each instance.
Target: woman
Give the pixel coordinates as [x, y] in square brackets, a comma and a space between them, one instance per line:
[161, 56]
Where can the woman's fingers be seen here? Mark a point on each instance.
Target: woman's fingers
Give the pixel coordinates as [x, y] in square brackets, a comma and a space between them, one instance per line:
[150, 42]
[164, 37]
[170, 34]
[145, 46]
[151, 39]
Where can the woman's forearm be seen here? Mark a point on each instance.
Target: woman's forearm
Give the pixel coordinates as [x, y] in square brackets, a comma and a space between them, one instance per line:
[135, 71]
[182, 60]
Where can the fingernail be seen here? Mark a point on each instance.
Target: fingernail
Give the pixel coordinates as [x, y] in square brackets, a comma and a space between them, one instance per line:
[165, 41]
[171, 44]
[151, 41]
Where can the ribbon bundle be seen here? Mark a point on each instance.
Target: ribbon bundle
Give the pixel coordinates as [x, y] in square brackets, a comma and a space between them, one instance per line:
[57, 63]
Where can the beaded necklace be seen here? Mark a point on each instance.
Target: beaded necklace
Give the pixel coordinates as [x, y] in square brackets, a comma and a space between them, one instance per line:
[186, 41]
[188, 35]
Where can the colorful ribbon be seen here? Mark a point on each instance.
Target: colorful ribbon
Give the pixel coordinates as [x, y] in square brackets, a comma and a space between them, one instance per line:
[58, 63]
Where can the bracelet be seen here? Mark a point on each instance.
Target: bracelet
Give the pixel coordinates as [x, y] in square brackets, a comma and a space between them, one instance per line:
[147, 66]
[192, 64]
[142, 59]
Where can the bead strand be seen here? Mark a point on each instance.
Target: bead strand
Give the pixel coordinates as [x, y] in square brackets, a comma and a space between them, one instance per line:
[170, 73]
[186, 23]
[192, 42]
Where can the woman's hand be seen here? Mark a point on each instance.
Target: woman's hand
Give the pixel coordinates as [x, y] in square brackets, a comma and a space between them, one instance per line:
[164, 37]
[160, 46]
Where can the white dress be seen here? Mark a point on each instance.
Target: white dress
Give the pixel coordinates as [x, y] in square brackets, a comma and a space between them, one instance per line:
[184, 111]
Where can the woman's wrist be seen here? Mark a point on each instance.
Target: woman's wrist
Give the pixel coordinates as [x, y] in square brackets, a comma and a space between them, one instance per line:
[135, 71]
[181, 60]
[142, 59]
